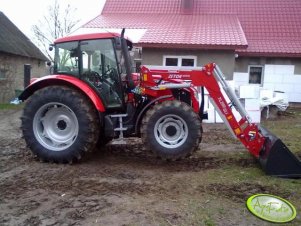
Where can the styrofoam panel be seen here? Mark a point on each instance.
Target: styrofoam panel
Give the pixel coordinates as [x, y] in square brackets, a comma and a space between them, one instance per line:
[294, 97]
[266, 93]
[297, 88]
[236, 114]
[211, 116]
[249, 91]
[270, 86]
[241, 77]
[255, 116]
[218, 119]
[210, 105]
[207, 103]
[273, 78]
[238, 84]
[294, 79]
[252, 104]
[231, 84]
[269, 69]
[274, 70]
[281, 96]
[225, 95]
[284, 69]
[283, 87]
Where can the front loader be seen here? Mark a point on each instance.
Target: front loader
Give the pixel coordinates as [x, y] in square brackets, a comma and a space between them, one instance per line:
[93, 98]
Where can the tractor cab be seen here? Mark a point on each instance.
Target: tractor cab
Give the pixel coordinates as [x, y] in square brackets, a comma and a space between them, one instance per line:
[100, 61]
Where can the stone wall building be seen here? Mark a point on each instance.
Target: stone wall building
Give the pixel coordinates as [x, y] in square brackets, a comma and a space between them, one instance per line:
[16, 50]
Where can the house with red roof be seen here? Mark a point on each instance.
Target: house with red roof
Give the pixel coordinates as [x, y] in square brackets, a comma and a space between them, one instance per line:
[254, 42]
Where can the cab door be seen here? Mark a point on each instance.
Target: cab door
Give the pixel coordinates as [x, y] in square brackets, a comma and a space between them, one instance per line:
[99, 67]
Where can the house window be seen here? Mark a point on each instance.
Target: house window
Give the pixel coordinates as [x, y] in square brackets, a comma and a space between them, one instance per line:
[188, 62]
[171, 61]
[2, 74]
[179, 61]
[255, 74]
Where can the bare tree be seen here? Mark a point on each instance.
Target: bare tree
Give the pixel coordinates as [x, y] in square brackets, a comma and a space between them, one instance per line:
[57, 23]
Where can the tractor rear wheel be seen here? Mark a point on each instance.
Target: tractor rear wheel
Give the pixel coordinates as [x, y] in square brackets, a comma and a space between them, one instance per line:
[59, 124]
[172, 130]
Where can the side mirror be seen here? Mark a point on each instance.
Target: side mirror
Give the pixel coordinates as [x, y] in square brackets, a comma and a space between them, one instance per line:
[50, 47]
[118, 43]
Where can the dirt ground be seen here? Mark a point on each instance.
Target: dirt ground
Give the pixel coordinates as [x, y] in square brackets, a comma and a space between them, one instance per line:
[125, 185]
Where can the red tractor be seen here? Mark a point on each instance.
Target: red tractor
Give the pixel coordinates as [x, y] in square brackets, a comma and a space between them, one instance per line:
[93, 97]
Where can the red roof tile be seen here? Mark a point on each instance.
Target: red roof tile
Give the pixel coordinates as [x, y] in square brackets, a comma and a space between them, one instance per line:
[142, 6]
[271, 27]
[201, 31]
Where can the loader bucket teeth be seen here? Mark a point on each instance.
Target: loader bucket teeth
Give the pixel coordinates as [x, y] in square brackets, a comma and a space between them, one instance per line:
[276, 159]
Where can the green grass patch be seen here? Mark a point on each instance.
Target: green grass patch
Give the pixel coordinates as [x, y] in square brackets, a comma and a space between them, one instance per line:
[288, 128]
[11, 106]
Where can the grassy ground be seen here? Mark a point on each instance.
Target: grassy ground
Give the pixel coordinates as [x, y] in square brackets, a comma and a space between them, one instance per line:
[11, 106]
[288, 128]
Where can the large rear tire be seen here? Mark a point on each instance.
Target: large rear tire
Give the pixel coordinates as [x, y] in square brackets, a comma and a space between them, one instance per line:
[171, 130]
[60, 124]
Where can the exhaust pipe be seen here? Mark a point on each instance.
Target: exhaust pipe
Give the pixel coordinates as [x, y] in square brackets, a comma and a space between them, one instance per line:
[276, 159]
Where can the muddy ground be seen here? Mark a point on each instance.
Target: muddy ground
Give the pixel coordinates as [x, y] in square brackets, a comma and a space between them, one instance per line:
[125, 185]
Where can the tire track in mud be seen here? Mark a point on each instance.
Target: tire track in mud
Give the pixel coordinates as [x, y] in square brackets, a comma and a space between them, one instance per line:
[154, 185]
[143, 175]
[109, 164]
[135, 153]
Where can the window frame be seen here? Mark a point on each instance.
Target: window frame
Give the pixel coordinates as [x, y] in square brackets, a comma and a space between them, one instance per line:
[180, 60]
[3, 75]
[262, 74]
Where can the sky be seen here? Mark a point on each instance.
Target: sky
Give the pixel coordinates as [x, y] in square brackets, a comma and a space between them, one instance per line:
[26, 13]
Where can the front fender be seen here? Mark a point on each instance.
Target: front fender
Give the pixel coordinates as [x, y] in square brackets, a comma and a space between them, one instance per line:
[63, 80]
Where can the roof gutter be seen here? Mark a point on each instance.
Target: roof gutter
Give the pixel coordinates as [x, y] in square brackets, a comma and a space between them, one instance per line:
[190, 46]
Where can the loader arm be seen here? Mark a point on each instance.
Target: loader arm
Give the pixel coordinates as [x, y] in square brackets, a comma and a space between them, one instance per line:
[244, 130]
[273, 155]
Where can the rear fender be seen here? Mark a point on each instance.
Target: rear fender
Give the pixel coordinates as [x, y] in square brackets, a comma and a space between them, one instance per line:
[63, 80]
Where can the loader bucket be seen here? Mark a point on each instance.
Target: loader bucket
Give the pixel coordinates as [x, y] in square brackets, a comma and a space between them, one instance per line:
[276, 159]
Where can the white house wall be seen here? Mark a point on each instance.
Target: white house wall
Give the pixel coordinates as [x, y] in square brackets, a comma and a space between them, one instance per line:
[224, 58]
[282, 78]
[276, 78]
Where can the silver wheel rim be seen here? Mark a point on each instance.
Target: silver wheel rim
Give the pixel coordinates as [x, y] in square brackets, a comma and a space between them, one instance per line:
[55, 126]
[171, 131]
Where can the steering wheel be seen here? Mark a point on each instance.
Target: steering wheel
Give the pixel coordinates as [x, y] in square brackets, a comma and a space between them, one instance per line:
[93, 77]
[107, 72]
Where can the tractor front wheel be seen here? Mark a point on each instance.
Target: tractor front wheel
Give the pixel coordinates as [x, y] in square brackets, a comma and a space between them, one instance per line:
[59, 124]
[172, 130]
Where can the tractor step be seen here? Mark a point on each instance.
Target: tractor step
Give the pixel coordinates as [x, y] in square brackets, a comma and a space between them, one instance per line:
[120, 129]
